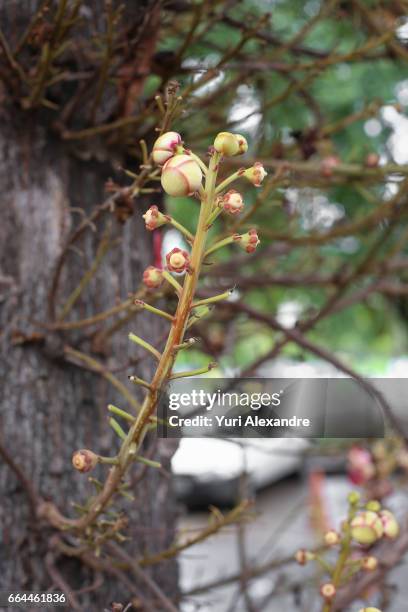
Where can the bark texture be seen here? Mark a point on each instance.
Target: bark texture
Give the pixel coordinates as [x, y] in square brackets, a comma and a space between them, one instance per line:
[48, 406]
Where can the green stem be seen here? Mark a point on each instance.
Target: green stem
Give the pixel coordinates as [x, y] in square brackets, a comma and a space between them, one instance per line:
[228, 181]
[196, 372]
[219, 245]
[145, 345]
[182, 229]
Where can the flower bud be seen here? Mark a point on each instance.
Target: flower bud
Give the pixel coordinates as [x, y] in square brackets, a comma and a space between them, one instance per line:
[84, 460]
[232, 202]
[256, 174]
[181, 176]
[366, 527]
[154, 218]
[369, 610]
[373, 505]
[152, 277]
[227, 144]
[329, 164]
[302, 556]
[165, 147]
[353, 498]
[177, 260]
[360, 465]
[390, 524]
[372, 160]
[248, 241]
[242, 143]
[328, 590]
[369, 564]
[331, 537]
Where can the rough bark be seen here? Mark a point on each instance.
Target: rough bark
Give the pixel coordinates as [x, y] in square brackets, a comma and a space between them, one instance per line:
[49, 407]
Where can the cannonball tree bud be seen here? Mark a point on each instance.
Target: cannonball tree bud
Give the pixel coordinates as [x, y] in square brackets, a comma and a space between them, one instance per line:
[181, 176]
[154, 218]
[369, 564]
[366, 528]
[152, 277]
[242, 143]
[372, 160]
[390, 524]
[248, 241]
[360, 466]
[177, 260]
[302, 556]
[84, 460]
[331, 537]
[227, 144]
[353, 498]
[232, 202]
[329, 164]
[328, 590]
[373, 505]
[165, 147]
[256, 174]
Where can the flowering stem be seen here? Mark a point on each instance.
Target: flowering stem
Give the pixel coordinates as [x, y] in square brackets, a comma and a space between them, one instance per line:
[182, 229]
[229, 180]
[219, 245]
[172, 281]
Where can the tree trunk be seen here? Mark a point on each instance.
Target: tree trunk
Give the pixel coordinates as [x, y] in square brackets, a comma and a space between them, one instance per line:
[50, 402]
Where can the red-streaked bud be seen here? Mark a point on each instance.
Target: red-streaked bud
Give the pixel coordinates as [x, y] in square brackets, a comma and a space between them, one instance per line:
[303, 556]
[249, 241]
[177, 260]
[369, 564]
[366, 527]
[331, 537]
[232, 202]
[256, 174]
[328, 591]
[165, 147]
[154, 218]
[152, 277]
[84, 460]
[390, 524]
[181, 176]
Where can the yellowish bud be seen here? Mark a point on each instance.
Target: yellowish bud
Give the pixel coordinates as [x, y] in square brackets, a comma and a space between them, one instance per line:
[366, 528]
[181, 176]
[84, 460]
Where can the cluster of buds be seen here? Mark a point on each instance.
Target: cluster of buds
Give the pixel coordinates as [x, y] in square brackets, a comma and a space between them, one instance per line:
[154, 218]
[152, 277]
[248, 242]
[364, 526]
[177, 260]
[84, 460]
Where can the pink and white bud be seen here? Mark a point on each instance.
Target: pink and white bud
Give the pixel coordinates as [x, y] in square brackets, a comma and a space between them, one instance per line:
[303, 556]
[84, 460]
[331, 537]
[181, 176]
[249, 241]
[360, 464]
[369, 564]
[366, 528]
[328, 164]
[152, 277]
[154, 218]
[328, 591]
[232, 202]
[177, 260]
[256, 174]
[390, 524]
[165, 147]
